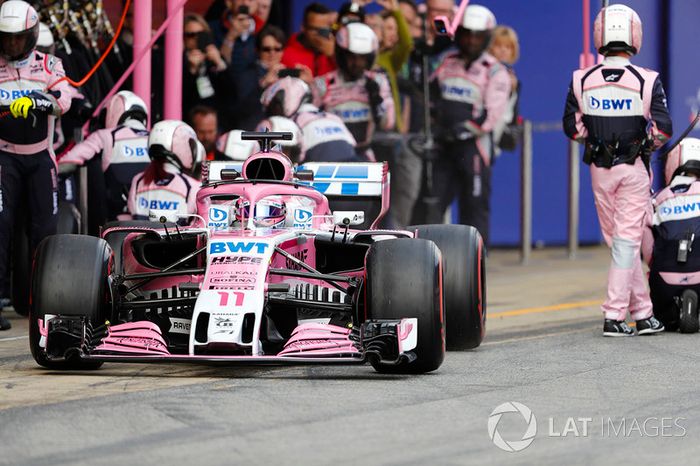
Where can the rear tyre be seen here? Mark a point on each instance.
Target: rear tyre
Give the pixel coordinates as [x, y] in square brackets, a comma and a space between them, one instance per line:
[70, 279]
[689, 322]
[404, 281]
[464, 273]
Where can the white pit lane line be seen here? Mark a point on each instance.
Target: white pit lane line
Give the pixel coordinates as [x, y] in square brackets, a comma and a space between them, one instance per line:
[14, 338]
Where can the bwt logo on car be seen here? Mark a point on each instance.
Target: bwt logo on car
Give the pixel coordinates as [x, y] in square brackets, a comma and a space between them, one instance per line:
[221, 247]
[610, 104]
[302, 218]
[135, 151]
[156, 204]
[16, 93]
[218, 218]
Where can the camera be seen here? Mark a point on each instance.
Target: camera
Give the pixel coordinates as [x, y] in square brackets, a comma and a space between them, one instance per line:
[291, 72]
[204, 40]
[441, 25]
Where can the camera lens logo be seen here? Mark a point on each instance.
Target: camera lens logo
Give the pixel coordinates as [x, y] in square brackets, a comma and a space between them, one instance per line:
[513, 445]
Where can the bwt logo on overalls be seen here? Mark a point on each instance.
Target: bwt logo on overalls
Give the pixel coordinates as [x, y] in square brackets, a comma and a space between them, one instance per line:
[611, 104]
[456, 91]
[237, 247]
[358, 114]
[680, 209]
[135, 151]
[328, 131]
[160, 205]
[15, 93]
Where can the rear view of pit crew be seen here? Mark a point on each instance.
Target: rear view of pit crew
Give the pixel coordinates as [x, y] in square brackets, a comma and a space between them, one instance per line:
[121, 147]
[166, 184]
[619, 111]
[31, 86]
[674, 275]
[230, 146]
[360, 97]
[473, 89]
[324, 136]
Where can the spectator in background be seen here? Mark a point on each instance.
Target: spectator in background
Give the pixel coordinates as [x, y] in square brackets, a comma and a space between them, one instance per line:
[205, 124]
[409, 10]
[204, 77]
[263, 12]
[250, 81]
[314, 46]
[350, 12]
[505, 47]
[235, 31]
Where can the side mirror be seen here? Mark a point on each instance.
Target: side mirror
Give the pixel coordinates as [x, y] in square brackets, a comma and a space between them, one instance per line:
[345, 218]
[163, 216]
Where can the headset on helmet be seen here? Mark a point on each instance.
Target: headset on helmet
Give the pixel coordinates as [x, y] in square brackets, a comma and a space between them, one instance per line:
[617, 28]
[684, 158]
[125, 105]
[358, 39]
[284, 97]
[175, 142]
[18, 19]
[232, 146]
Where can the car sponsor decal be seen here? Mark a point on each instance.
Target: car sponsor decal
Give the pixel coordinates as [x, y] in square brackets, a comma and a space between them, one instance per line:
[301, 255]
[218, 218]
[235, 247]
[239, 260]
[180, 325]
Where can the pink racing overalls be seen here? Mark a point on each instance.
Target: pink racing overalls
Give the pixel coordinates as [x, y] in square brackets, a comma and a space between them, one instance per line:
[124, 154]
[177, 193]
[325, 138]
[28, 177]
[614, 107]
[361, 112]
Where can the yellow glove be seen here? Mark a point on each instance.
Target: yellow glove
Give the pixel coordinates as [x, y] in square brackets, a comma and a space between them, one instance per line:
[20, 107]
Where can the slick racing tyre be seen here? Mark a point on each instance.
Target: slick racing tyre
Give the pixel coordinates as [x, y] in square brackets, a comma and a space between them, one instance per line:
[464, 276]
[70, 279]
[404, 281]
[689, 312]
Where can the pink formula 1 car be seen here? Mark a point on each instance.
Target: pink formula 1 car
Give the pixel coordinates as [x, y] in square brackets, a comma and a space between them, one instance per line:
[265, 273]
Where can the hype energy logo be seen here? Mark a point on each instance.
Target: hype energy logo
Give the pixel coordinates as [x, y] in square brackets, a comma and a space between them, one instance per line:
[218, 218]
[609, 104]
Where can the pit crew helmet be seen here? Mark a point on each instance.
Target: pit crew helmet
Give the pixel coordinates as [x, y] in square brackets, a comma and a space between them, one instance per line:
[684, 159]
[617, 28]
[357, 39]
[269, 212]
[45, 42]
[480, 20]
[125, 105]
[284, 97]
[19, 30]
[231, 146]
[176, 142]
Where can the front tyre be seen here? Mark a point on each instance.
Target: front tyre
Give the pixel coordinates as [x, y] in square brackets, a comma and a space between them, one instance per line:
[464, 272]
[70, 280]
[404, 280]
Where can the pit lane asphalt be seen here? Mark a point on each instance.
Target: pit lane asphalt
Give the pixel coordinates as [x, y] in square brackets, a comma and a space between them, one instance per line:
[544, 349]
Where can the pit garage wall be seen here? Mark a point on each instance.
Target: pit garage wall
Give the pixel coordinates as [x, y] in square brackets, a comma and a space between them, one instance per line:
[550, 34]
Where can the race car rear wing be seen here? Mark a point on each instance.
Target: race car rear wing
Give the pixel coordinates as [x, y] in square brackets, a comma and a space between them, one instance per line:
[353, 186]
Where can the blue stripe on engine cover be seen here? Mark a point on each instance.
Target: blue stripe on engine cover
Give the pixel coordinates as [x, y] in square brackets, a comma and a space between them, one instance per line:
[325, 171]
[321, 187]
[349, 189]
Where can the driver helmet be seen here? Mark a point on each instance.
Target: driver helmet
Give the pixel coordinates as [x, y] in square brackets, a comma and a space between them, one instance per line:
[19, 30]
[233, 147]
[269, 212]
[175, 142]
[125, 105]
[479, 19]
[358, 39]
[284, 97]
[617, 28]
[684, 159]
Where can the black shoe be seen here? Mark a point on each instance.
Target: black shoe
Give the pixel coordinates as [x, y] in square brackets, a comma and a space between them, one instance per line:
[649, 326]
[617, 328]
[4, 323]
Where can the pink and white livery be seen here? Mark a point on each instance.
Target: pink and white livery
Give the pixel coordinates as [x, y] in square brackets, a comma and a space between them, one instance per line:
[265, 273]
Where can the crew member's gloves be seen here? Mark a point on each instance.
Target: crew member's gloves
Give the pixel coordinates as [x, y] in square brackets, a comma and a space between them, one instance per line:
[35, 101]
[462, 131]
[375, 99]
